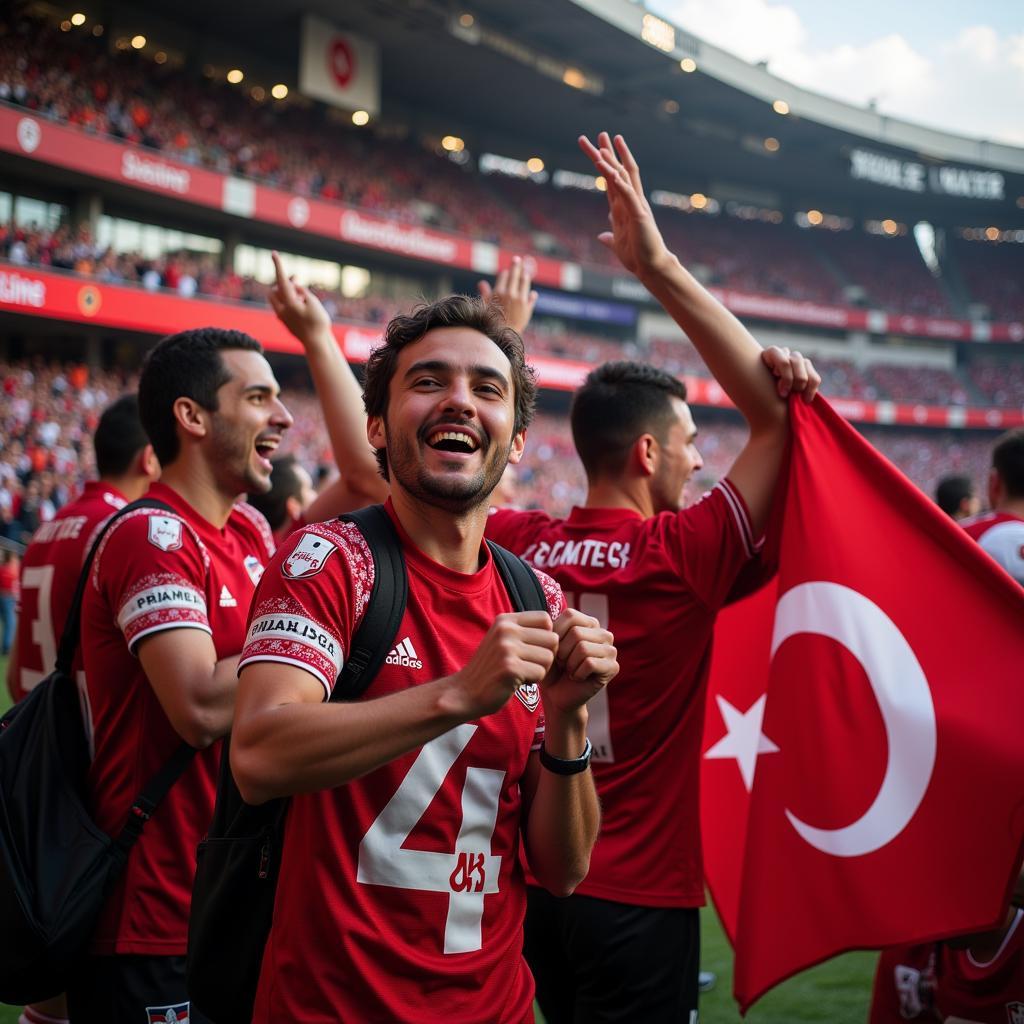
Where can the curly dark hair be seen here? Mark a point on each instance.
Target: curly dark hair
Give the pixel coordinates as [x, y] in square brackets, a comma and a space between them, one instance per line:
[452, 311]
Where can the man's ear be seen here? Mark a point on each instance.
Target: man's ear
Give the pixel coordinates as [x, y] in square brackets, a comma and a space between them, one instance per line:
[518, 447]
[375, 432]
[191, 417]
[292, 508]
[149, 464]
[995, 488]
[644, 454]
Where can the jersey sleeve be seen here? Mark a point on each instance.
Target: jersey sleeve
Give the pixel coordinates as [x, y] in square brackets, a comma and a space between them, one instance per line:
[310, 601]
[1005, 543]
[712, 542]
[152, 569]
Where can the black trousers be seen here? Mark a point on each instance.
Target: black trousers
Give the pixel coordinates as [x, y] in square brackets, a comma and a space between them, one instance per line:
[598, 962]
[131, 990]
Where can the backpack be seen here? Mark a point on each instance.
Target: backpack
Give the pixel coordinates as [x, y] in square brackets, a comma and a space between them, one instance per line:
[57, 866]
[236, 874]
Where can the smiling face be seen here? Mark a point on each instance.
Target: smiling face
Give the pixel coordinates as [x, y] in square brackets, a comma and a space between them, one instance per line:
[247, 426]
[449, 429]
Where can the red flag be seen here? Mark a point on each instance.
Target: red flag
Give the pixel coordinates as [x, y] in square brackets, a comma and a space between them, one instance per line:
[863, 772]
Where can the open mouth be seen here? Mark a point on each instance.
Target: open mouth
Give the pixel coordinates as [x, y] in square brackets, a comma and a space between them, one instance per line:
[458, 442]
[265, 448]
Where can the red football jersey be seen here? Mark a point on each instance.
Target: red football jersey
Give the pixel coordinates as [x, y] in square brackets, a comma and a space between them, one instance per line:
[934, 982]
[157, 570]
[49, 575]
[1002, 536]
[400, 895]
[657, 584]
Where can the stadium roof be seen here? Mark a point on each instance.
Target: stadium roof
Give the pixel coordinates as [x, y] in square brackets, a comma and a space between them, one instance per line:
[501, 83]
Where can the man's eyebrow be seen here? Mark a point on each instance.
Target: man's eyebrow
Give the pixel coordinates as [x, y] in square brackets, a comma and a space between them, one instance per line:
[442, 366]
[264, 389]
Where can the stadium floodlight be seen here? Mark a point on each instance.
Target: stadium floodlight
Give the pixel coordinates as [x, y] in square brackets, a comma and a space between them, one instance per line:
[688, 64]
[670, 107]
[780, 107]
[279, 91]
[771, 144]
[138, 42]
[453, 144]
[160, 57]
[235, 75]
[360, 118]
[65, 25]
[78, 18]
[466, 20]
[535, 165]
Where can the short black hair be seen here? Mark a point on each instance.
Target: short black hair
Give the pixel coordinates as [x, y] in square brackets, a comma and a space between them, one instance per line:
[184, 365]
[1008, 461]
[284, 484]
[451, 311]
[951, 491]
[119, 437]
[617, 403]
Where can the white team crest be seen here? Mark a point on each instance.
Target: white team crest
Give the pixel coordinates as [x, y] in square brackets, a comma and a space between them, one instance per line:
[254, 567]
[165, 532]
[529, 694]
[308, 556]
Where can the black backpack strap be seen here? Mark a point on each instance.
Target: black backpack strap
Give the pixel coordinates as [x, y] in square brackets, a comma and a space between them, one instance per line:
[145, 803]
[156, 789]
[72, 625]
[383, 616]
[520, 580]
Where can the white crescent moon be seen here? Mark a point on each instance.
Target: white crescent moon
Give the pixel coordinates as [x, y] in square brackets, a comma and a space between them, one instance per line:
[904, 699]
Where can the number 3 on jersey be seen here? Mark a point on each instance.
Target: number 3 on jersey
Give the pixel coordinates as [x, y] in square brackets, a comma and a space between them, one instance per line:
[599, 727]
[468, 874]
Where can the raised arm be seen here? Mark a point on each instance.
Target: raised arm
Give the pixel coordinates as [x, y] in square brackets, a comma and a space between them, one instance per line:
[735, 359]
[340, 396]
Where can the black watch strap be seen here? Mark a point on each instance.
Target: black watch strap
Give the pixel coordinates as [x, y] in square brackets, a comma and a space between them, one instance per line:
[560, 766]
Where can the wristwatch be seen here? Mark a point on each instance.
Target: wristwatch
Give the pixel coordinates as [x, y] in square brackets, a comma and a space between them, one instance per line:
[560, 766]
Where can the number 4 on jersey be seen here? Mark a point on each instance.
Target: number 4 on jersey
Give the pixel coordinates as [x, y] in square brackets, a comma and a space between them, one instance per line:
[471, 871]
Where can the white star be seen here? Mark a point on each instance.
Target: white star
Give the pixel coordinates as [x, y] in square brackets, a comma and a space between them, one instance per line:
[743, 739]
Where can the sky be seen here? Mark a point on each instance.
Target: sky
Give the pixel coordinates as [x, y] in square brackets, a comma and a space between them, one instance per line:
[958, 66]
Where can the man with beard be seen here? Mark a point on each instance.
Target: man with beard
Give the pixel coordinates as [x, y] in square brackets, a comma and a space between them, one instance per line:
[162, 624]
[400, 896]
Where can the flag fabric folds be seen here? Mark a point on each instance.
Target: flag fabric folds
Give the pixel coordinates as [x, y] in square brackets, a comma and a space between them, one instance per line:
[863, 768]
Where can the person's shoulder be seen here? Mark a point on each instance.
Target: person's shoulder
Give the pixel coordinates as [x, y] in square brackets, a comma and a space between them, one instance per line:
[552, 593]
[978, 526]
[334, 550]
[517, 522]
[147, 534]
[247, 519]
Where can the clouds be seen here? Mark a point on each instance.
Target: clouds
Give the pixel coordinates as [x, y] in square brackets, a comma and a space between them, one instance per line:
[970, 82]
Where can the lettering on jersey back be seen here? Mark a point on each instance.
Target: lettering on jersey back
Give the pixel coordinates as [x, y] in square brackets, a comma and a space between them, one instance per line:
[60, 529]
[598, 554]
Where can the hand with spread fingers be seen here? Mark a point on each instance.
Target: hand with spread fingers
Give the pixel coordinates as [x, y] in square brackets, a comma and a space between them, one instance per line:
[793, 372]
[513, 293]
[634, 236]
[298, 308]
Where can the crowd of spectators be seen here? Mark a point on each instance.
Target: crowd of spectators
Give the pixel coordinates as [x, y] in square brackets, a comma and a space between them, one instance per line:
[77, 78]
[49, 411]
[1000, 384]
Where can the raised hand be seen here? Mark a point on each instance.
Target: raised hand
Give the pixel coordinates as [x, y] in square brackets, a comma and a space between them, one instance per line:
[513, 293]
[298, 308]
[518, 648]
[793, 372]
[585, 663]
[634, 236]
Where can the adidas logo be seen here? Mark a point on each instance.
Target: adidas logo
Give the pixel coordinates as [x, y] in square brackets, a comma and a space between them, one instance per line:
[227, 599]
[404, 654]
